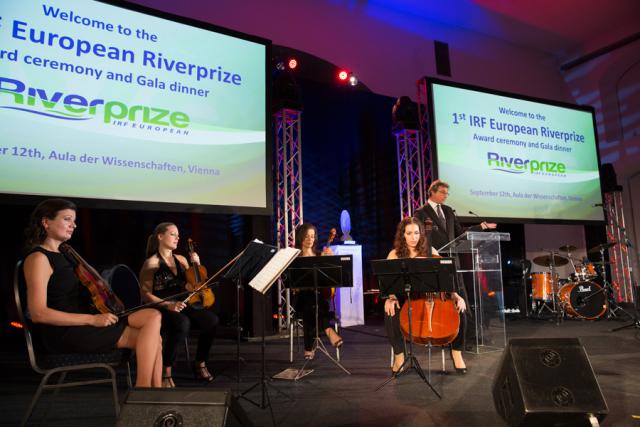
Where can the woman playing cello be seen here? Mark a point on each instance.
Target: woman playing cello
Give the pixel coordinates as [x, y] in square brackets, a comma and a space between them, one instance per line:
[410, 242]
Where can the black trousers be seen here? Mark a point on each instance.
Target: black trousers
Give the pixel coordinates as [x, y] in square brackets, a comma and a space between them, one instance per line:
[306, 305]
[176, 327]
[396, 339]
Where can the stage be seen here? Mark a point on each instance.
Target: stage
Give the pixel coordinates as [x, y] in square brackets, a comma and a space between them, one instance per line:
[329, 397]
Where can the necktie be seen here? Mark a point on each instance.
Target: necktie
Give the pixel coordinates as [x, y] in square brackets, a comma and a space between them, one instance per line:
[441, 215]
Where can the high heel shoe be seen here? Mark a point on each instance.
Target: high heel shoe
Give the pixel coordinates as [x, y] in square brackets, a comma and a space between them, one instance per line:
[167, 382]
[335, 339]
[309, 355]
[459, 371]
[201, 372]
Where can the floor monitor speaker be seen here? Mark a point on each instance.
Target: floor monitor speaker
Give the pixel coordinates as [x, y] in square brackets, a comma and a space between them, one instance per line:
[547, 382]
[181, 407]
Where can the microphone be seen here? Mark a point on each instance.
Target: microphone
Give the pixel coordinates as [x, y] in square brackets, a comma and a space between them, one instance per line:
[598, 204]
[474, 214]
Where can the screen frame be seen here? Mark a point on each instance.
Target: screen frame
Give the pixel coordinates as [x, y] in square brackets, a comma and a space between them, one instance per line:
[15, 198]
[431, 81]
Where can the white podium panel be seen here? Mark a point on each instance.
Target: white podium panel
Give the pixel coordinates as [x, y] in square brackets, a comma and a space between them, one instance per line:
[350, 301]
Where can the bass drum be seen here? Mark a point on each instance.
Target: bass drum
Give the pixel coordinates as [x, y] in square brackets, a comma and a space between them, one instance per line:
[585, 300]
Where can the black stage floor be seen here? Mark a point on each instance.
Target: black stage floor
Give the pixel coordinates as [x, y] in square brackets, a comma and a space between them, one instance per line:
[329, 397]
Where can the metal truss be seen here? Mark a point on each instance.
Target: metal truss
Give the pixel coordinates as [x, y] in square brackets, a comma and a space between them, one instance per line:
[619, 253]
[425, 140]
[288, 194]
[410, 171]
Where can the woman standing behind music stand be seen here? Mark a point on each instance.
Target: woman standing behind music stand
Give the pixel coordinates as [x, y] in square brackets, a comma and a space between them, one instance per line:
[306, 239]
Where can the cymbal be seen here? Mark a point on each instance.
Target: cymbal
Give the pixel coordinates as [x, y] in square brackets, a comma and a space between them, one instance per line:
[603, 246]
[545, 260]
[567, 248]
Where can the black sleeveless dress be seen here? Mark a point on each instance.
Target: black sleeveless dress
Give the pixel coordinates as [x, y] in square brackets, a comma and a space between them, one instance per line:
[66, 293]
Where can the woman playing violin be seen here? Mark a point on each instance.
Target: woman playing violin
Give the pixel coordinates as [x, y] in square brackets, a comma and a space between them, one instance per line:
[306, 238]
[410, 242]
[163, 275]
[60, 305]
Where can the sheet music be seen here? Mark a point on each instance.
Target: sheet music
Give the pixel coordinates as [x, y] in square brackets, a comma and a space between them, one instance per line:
[273, 269]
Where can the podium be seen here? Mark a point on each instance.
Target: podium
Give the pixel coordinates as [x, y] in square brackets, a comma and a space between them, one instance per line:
[479, 266]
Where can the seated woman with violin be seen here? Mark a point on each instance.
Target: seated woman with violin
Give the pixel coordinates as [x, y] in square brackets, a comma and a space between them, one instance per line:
[306, 238]
[410, 242]
[163, 275]
[61, 306]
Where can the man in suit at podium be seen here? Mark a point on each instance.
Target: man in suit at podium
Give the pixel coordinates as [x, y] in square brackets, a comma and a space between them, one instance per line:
[445, 225]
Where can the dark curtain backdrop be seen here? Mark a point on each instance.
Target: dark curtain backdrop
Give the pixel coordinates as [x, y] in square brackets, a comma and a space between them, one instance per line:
[349, 162]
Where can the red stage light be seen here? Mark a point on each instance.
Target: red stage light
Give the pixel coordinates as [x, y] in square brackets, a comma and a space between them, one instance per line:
[343, 75]
[293, 63]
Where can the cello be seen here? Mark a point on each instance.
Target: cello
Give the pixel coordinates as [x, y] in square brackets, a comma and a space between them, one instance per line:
[197, 276]
[434, 318]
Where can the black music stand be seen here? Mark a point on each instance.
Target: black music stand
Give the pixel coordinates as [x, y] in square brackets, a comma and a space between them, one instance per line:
[319, 272]
[250, 261]
[253, 259]
[419, 275]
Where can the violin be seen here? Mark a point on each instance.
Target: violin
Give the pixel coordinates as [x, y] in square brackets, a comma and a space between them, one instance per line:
[196, 276]
[103, 298]
[434, 318]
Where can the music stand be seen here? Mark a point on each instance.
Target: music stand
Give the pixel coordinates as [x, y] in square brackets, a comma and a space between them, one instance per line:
[250, 261]
[319, 272]
[420, 275]
[263, 264]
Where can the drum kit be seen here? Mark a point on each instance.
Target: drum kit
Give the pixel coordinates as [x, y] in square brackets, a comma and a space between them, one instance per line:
[578, 296]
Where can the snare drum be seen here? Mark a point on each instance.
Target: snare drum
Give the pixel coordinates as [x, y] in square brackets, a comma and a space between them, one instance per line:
[542, 286]
[585, 300]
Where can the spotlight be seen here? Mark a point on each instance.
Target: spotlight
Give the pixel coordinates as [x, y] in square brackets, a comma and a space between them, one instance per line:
[343, 75]
[293, 63]
[280, 66]
[353, 80]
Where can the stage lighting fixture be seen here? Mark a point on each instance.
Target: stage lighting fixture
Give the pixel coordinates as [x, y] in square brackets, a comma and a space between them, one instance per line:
[353, 80]
[293, 63]
[343, 75]
[280, 66]
[404, 114]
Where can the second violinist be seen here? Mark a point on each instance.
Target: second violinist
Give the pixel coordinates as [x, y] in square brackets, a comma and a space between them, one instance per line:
[163, 275]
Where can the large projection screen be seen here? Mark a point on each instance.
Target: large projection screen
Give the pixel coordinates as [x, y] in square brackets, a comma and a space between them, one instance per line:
[119, 105]
[515, 158]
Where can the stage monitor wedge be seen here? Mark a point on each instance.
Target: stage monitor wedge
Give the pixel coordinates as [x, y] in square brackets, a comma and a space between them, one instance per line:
[512, 158]
[120, 106]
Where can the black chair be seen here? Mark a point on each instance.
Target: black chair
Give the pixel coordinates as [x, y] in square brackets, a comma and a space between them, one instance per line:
[49, 364]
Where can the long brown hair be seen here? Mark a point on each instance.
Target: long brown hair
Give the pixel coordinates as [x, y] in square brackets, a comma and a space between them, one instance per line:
[400, 243]
[35, 233]
[152, 240]
[301, 233]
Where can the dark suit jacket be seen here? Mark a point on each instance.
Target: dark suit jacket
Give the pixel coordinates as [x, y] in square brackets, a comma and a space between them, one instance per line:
[441, 234]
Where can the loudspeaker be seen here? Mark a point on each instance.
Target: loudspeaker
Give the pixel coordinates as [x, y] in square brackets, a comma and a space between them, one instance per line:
[547, 382]
[182, 406]
[443, 65]
[608, 178]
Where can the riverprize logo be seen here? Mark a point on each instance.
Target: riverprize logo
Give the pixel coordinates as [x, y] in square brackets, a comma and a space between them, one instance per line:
[72, 106]
[517, 165]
